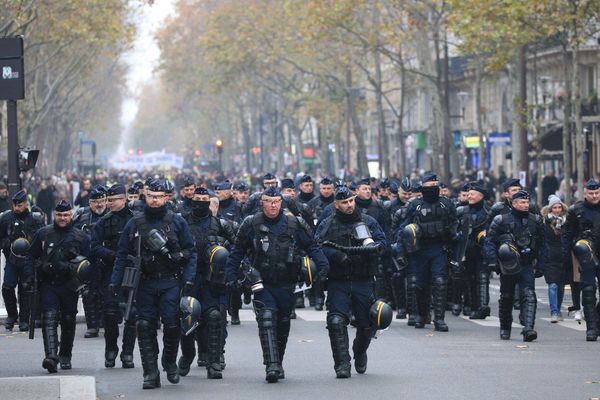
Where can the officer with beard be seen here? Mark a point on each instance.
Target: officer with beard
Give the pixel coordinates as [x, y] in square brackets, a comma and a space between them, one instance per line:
[430, 224]
[85, 218]
[272, 238]
[20, 222]
[105, 238]
[306, 189]
[472, 274]
[209, 287]
[350, 278]
[580, 237]
[241, 193]
[514, 242]
[52, 250]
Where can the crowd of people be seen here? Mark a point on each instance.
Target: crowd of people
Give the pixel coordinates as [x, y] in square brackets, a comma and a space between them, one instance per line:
[186, 251]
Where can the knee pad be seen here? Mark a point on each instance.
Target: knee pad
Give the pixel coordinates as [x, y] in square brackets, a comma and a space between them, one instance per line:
[266, 317]
[439, 280]
[6, 286]
[214, 315]
[336, 321]
[143, 325]
[528, 294]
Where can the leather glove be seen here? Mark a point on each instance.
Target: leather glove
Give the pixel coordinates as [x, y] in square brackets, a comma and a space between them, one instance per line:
[188, 288]
[340, 258]
[232, 285]
[113, 290]
[177, 257]
[538, 273]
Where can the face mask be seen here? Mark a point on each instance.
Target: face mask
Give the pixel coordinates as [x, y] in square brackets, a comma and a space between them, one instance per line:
[200, 208]
[3, 196]
[431, 194]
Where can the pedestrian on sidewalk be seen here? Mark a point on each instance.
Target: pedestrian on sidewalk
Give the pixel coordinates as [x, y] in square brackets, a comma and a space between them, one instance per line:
[555, 271]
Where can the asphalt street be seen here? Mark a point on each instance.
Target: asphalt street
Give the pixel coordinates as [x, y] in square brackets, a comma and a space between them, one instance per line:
[469, 362]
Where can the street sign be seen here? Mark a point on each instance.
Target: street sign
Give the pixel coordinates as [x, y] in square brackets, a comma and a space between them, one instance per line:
[12, 82]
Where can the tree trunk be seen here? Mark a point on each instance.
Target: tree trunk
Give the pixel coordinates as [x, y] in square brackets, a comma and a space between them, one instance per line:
[523, 157]
[480, 131]
[579, 133]
[566, 138]
[361, 151]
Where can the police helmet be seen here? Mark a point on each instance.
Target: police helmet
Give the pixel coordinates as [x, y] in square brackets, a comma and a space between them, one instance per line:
[411, 235]
[217, 258]
[308, 270]
[18, 251]
[584, 253]
[83, 269]
[191, 310]
[508, 259]
[380, 314]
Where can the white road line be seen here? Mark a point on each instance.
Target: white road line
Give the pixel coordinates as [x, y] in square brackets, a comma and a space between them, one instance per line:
[490, 321]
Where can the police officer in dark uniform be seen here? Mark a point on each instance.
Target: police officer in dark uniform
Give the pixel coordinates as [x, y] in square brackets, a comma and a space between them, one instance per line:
[186, 193]
[211, 240]
[325, 197]
[397, 209]
[580, 237]
[350, 279]
[306, 189]
[272, 239]
[471, 274]
[168, 263]
[53, 249]
[228, 207]
[430, 224]
[510, 186]
[385, 193]
[170, 192]
[241, 193]
[85, 218]
[514, 243]
[20, 222]
[133, 193]
[105, 238]
[252, 206]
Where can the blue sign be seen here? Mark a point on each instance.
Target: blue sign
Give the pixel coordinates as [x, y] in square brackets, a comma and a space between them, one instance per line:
[499, 139]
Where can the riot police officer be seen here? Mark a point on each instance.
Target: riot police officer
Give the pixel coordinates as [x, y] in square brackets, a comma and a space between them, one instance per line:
[272, 238]
[186, 193]
[397, 209]
[350, 241]
[580, 236]
[306, 189]
[228, 207]
[510, 186]
[241, 192]
[430, 224]
[252, 206]
[54, 258]
[105, 237]
[20, 222]
[325, 197]
[211, 240]
[470, 275]
[85, 218]
[168, 259]
[514, 242]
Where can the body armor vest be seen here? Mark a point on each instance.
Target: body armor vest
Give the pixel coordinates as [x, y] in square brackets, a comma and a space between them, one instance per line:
[114, 223]
[154, 263]
[59, 247]
[362, 267]
[432, 218]
[523, 236]
[587, 219]
[275, 256]
[205, 235]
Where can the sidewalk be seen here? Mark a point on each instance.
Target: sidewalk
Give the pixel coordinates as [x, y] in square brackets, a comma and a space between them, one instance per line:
[49, 387]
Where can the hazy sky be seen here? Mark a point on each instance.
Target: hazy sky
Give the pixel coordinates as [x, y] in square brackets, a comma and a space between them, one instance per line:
[142, 60]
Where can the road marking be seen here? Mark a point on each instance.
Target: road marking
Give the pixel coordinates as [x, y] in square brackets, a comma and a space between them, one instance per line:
[490, 321]
[569, 323]
[312, 315]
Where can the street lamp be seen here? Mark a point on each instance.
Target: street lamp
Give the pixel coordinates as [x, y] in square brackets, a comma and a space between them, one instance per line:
[544, 85]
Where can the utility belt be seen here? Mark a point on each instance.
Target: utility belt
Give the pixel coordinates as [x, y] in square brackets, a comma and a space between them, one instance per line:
[161, 276]
[433, 229]
[279, 272]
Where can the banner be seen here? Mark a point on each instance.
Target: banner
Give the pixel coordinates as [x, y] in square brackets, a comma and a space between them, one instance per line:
[147, 161]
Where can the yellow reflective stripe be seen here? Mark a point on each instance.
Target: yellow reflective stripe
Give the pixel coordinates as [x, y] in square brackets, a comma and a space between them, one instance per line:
[306, 261]
[212, 254]
[414, 231]
[190, 302]
[586, 243]
[379, 309]
[480, 235]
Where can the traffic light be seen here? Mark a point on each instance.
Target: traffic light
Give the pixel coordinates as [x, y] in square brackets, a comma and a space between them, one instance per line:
[219, 146]
[197, 152]
[27, 159]
[139, 152]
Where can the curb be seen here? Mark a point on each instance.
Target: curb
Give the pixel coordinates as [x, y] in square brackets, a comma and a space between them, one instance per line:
[71, 387]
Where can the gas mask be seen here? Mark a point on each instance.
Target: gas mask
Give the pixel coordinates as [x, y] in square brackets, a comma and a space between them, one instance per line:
[157, 242]
[363, 234]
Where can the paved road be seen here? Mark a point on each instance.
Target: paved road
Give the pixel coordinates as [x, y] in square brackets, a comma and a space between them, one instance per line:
[469, 362]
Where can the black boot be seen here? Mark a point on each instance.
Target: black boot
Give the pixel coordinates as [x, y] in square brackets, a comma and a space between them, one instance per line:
[300, 300]
[422, 307]
[359, 349]
[188, 352]
[91, 312]
[588, 300]
[505, 305]
[67, 335]
[469, 297]
[319, 296]
[458, 289]
[439, 304]
[10, 303]
[483, 297]
[24, 310]
[283, 332]
[411, 299]
[50, 334]
[267, 332]
[171, 336]
[530, 307]
[129, 334]
[111, 334]
[202, 341]
[399, 293]
[149, 353]
[214, 332]
[338, 337]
